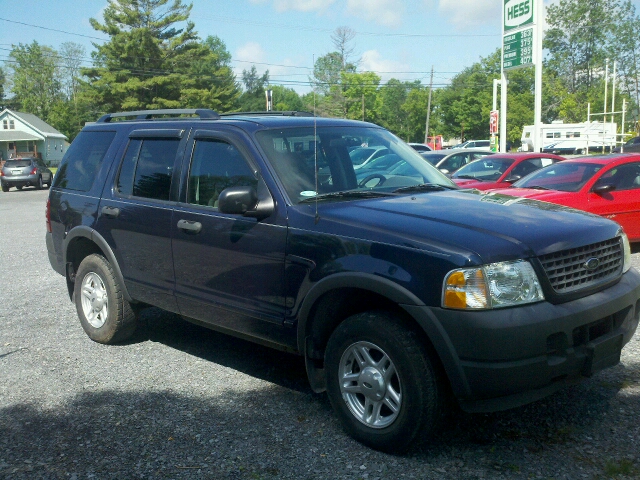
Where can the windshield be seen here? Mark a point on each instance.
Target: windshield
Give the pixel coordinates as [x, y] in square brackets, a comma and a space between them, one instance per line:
[487, 169]
[292, 153]
[18, 163]
[563, 176]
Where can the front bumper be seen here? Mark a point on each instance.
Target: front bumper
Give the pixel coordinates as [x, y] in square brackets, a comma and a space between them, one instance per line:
[504, 358]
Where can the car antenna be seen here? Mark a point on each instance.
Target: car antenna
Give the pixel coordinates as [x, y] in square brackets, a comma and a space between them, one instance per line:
[315, 149]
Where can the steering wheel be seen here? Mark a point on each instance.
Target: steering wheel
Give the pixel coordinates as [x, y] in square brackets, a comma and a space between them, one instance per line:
[373, 176]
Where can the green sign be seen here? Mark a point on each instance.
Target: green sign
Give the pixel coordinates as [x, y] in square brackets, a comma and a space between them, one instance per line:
[517, 49]
[517, 13]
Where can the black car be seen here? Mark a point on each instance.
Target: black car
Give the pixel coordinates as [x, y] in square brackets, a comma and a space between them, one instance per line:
[403, 294]
[630, 146]
[25, 172]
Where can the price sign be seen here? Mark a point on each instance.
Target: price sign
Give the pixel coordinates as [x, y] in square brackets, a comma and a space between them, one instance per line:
[517, 49]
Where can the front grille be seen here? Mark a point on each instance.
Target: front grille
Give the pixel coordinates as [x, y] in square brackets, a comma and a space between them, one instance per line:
[566, 270]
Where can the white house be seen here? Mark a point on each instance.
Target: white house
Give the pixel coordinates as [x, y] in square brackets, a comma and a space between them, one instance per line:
[26, 134]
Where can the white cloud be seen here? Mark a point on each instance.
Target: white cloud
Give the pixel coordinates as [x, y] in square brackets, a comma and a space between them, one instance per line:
[384, 12]
[250, 52]
[372, 61]
[299, 5]
[469, 13]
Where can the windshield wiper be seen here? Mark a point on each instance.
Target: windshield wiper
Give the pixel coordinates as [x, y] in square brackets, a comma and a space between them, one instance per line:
[535, 187]
[423, 187]
[467, 176]
[346, 195]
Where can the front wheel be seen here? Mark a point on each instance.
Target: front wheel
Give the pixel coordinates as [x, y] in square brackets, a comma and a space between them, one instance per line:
[105, 315]
[383, 382]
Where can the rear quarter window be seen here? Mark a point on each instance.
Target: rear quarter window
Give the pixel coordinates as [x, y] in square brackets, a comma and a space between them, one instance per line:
[82, 161]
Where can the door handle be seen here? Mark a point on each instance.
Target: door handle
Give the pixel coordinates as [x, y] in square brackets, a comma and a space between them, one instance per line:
[189, 226]
[111, 212]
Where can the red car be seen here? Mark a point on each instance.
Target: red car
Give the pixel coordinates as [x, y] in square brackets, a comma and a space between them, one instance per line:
[605, 185]
[502, 169]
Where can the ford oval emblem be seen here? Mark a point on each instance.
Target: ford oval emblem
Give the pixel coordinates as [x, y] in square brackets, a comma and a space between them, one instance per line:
[592, 263]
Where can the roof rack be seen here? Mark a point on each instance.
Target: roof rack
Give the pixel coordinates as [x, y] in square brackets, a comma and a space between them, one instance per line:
[285, 113]
[203, 113]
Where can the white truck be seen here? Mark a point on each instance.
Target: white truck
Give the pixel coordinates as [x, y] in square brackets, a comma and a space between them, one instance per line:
[572, 138]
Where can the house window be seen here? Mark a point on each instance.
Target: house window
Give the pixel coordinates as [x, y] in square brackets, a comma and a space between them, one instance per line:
[11, 125]
[5, 124]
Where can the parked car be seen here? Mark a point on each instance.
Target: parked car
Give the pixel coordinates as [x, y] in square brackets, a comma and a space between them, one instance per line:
[501, 170]
[457, 158]
[631, 146]
[479, 144]
[420, 147]
[402, 293]
[606, 185]
[25, 172]
[360, 156]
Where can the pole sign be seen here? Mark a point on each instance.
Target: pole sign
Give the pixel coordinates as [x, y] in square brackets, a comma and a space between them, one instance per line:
[517, 34]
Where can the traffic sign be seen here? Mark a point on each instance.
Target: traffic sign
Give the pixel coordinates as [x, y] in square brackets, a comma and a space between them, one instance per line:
[517, 49]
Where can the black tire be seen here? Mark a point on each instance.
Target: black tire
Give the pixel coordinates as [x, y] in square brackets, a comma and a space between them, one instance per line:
[39, 185]
[18, 187]
[5, 188]
[107, 322]
[419, 381]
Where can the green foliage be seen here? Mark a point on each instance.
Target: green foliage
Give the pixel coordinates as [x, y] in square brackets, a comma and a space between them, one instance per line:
[34, 79]
[286, 99]
[360, 92]
[150, 63]
[253, 99]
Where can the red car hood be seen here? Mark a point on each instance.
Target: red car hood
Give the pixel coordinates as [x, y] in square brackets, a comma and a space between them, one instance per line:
[469, 183]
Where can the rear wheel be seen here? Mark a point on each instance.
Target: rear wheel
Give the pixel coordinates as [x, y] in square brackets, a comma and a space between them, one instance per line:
[39, 184]
[5, 188]
[105, 315]
[383, 382]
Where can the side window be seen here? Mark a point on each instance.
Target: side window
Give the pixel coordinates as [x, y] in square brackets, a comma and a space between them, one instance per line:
[147, 168]
[623, 177]
[82, 161]
[216, 165]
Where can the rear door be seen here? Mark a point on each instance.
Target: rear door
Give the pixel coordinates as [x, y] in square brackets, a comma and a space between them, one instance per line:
[136, 211]
[229, 269]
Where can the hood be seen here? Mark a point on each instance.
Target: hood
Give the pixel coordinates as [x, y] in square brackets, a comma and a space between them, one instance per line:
[468, 226]
[470, 183]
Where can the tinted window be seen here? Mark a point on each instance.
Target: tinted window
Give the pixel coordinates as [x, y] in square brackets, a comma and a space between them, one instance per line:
[216, 165]
[17, 163]
[147, 168]
[82, 160]
[623, 177]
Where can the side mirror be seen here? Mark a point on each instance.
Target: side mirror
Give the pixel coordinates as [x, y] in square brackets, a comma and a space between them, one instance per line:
[237, 200]
[600, 189]
[513, 178]
[444, 170]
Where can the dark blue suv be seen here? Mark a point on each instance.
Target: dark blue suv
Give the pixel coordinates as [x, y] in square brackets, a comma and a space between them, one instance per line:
[402, 292]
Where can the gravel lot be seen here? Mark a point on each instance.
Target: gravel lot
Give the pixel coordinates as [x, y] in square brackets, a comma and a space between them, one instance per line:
[179, 401]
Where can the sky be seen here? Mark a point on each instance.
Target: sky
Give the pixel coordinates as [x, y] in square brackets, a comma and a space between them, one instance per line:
[401, 39]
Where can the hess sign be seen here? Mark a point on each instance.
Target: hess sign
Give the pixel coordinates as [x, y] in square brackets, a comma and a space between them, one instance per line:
[517, 13]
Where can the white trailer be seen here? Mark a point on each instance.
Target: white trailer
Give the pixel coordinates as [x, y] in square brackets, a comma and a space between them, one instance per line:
[572, 138]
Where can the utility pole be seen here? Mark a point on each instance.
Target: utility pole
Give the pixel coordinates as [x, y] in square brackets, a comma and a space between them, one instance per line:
[426, 130]
[363, 107]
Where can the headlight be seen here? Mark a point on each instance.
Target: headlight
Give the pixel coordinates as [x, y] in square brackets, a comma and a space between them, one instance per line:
[496, 285]
[626, 265]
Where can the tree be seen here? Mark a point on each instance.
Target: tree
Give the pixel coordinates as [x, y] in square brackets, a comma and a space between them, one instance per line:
[71, 56]
[2, 81]
[210, 81]
[360, 95]
[628, 53]
[35, 79]
[151, 63]
[328, 70]
[253, 98]
[286, 99]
